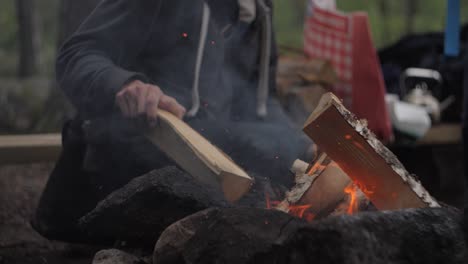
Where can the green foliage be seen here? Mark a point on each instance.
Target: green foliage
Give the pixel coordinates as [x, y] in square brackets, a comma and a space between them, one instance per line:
[430, 16]
[289, 17]
[7, 25]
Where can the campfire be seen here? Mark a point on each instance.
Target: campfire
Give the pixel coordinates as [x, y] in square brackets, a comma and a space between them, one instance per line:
[368, 175]
[356, 186]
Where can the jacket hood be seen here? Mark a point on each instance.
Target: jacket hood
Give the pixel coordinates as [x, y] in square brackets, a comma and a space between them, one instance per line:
[231, 11]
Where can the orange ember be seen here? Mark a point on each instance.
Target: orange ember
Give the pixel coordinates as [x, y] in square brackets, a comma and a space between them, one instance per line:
[315, 168]
[300, 211]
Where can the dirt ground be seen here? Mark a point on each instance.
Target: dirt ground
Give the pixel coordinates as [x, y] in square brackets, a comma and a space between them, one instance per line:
[20, 189]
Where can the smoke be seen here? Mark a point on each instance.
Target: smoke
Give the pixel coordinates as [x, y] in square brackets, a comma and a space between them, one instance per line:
[265, 148]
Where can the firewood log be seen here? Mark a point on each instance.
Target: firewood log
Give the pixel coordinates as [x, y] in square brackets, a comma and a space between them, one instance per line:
[374, 168]
[196, 155]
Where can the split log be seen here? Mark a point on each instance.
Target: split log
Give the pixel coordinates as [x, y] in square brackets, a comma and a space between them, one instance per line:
[429, 235]
[364, 158]
[197, 156]
[140, 211]
[327, 191]
[29, 148]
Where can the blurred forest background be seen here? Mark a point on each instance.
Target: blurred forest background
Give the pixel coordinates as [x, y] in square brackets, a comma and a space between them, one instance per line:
[31, 31]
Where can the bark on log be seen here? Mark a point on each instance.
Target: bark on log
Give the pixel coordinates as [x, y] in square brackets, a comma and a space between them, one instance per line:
[141, 210]
[364, 158]
[200, 158]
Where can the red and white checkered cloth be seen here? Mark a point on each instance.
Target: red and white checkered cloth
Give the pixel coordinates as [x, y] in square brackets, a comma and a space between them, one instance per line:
[346, 41]
[328, 36]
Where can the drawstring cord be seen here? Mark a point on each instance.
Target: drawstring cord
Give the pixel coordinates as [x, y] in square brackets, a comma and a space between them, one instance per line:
[264, 79]
[201, 49]
[263, 83]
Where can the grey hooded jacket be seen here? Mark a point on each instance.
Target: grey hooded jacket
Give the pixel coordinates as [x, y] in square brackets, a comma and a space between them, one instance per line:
[216, 57]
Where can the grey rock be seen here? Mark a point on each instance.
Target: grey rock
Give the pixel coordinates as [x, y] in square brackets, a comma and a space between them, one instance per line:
[115, 256]
[243, 235]
[232, 235]
[140, 211]
[409, 236]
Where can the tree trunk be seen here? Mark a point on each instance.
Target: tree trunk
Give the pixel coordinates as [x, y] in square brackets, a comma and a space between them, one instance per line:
[384, 9]
[28, 34]
[410, 13]
[299, 7]
[71, 14]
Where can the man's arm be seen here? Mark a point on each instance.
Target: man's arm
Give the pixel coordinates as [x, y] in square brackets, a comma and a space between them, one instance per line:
[92, 66]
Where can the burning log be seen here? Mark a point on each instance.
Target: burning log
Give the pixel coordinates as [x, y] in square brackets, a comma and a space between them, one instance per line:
[324, 188]
[141, 210]
[197, 156]
[370, 165]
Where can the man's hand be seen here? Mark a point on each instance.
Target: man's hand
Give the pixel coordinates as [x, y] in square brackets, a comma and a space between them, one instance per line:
[138, 98]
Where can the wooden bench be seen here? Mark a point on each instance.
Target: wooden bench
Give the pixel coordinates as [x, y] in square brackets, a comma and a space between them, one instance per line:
[21, 149]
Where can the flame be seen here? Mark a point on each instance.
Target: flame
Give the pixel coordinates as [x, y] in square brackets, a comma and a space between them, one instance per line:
[352, 190]
[299, 211]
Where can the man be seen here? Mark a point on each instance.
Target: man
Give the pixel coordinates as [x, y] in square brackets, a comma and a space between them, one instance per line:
[210, 62]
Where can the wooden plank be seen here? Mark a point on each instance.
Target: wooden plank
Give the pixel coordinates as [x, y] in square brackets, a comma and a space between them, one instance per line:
[363, 158]
[198, 156]
[21, 149]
